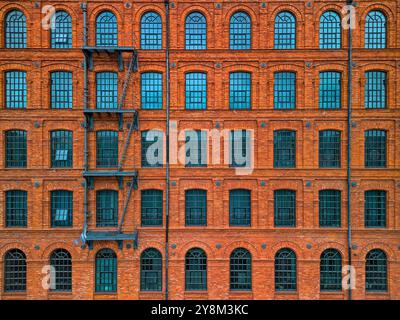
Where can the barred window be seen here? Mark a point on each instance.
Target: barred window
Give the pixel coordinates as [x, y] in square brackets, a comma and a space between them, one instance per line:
[61, 90]
[61, 208]
[16, 208]
[375, 149]
[240, 31]
[240, 148]
[376, 271]
[330, 208]
[240, 90]
[16, 90]
[330, 31]
[106, 208]
[152, 207]
[195, 32]
[240, 207]
[240, 270]
[61, 149]
[284, 90]
[375, 208]
[107, 90]
[375, 90]
[285, 31]
[331, 270]
[285, 270]
[196, 270]
[196, 90]
[61, 260]
[16, 146]
[196, 148]
[151, 31]
[329, 149]
[284, 149]
[375, 30]
[152, 90]
[15, 30]
[196, 207]
[285, 208]
[107, 149]
[330, 90]
[106, 29]
[14, 271]
[152, 149]
[151, 270]
[106, 271]
[61, 34]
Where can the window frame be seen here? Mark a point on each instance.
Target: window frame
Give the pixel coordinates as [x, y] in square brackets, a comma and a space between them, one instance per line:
[240, 266]
[196, 270]
[106, 266]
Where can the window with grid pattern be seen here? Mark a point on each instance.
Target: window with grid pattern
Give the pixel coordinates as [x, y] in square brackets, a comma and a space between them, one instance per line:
[152, 90]
[240, 207]
[285, 208]
[195, 32]
[151, 270]
[106, 271]
[61, 90]
[196, 207]
[239, 146]
[152, 207]
[331, 270]
[375, 30]
[330, 90]
[284, 149]
[376, 271]
[196, 91]
[61, 34]
[16, 209]
[151, 31]
[375, 90]
[61, 208]
[152, 149]
[375, 149]
[16, 90]
[106, 90]
[285, 31]
[15, 30]
[330, 208]
[107, 149]
[329, 149]
[196, 270]
[239, 90]
[61, 149]
[16, 146]
[285, 270]
[284, 90]
[375, 208]
[330, 31]
[14, 271]
[106, 208]
[196, 148]
[240, 31]
[61, 260]
[240, 270]
[106, 30]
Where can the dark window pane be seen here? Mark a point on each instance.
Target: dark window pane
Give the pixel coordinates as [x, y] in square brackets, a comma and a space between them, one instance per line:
[151, 270]
[196, 207]
[330, 31]
[240, 31]
[15, 30]
[152, 208]
[16, 90]
[376, 271]
[107, 149]
[329, 149]
[196, 270]
[375, 149]
[16, 208]
[61, 208]
[16, 149]
[61, 34]
[284, 149]
[151, 32]
[329, 208]
[61, 260]
[375, 209]
[375, 30]
[14, 271]
[106, 208]
[240, 148]
[61, 90]
[240, 270]
[152, 90]
[375, 90]
[240, 90]
[106, 271]
[61, 149]
[331, 270]
[106, 30]
[284, 90]
[107, 90]
[285, 208]
[240, 207]
[285, 31]
[285, 270]
[196, 32]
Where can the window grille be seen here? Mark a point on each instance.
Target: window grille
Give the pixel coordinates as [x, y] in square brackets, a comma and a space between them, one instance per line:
[375, 208]
[330, 90]
[106, 30]
[284, 149]
[61, 149]
[106, 208]
[239, 207]
[329, 149]
[375, 30]
[330, 31]
[375, 149]
[61, 208]
[152, 90]
[151, 31]
[196, 270]
[240, 31]
[240, 270]
[285, 31]
[151, 270]
[16, 90]
[15, 30]
[240, 90]
[196, 32]
[285, 270]
[152, 208]
[106, 271]
[16, 208]
[330, 208]
[284, 90]
[14, 271]
[107, 90]
[16, 146]
[285, 208]
[375, 90]
[376, 271]
[196, 91]
[196, 207]
[61, 90]
[61, 260]
[61, 34]
[107, 149]
[331, 270]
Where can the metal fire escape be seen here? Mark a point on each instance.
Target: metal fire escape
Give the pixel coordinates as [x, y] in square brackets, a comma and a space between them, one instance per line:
[90, 175]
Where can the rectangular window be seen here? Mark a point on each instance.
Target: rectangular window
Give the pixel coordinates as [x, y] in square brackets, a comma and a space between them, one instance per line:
[16, 90]
[375, 90]
[329, 149]
[107, 149]
[375, 149]
[284, 149]
[152, 94]
[196, 91]
[196, 148]
[240, 208]
[106, 90]
[16, 209]
[375, 209]
[61, 90]
[329, 90]
[152, 149]
[106, 208]
[285, 90]
[285, 208]
[240, 90]
[329, 208]
[152, 208]
[61, 149]
[196, 207]
[61, 208]
[239, 145]
[16, 146]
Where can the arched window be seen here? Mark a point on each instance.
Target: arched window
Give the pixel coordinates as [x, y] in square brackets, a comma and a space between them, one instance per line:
[196, 270]
[61, 260]
[331, 270]
[240, 31]
[285, 31]
[376, 271]
[196, 207]
[151, 31]
[285, 270]
[106, 271]
[16, 149]
[375, 30]
[240, 270]
[375, 208]
[14, 271]
[15, 30]
[375, 89]
[150, 270]
[375, 148]
[106, 29]
[330, 31]
[16, 209]
[61, 34]
[106, 90]
[195, 32]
